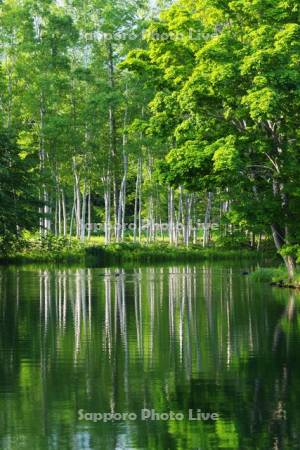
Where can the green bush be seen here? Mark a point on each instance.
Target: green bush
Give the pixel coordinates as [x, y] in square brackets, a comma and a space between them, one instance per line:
[235, 241]
[10, 244]
[274, 275]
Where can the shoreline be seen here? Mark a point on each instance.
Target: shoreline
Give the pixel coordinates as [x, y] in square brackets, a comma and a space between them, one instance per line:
[127, 252]
[100, 255]
[276, 277]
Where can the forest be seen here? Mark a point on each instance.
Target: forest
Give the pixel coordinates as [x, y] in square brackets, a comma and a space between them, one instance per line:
[149, 224]
[129, 121]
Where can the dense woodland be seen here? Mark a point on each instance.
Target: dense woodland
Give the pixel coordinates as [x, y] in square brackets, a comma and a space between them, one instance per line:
[164, 117]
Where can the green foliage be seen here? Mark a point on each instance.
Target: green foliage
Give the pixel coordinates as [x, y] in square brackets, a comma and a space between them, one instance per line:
[207, 101]
[52, 243]
[236, 240]
[18, 195]
[56, 249]
[161, 252]
[276, 275]
[268, 275]
[290, 250]
[232, 116]
[49, 248]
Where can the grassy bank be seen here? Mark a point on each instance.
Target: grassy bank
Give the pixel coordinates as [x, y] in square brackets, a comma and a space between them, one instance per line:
[277, 276]
[159, 252]
[59, 251]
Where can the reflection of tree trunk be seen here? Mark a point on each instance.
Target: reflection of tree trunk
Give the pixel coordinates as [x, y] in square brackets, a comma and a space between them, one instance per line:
[108, 319]
[277, 425]
[289, 314]
[189, 322]
[151, 296]
[137, 311]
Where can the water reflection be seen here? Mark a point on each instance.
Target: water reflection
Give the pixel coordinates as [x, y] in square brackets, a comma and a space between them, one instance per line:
[169, 338]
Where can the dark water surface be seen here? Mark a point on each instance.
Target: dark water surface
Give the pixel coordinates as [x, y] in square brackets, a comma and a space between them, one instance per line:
[164, 338]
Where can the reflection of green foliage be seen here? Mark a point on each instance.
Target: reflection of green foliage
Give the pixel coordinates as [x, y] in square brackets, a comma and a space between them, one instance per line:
[227, 435]
[190, 435]
[182, 337]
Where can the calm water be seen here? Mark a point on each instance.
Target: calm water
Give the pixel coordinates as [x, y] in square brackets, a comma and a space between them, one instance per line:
[165, 338]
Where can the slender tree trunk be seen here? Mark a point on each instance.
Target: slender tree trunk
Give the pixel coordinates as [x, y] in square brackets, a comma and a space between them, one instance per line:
[140, 201]
[187, 219]
[73, 214]
[137, 200]
[151, 219]
[195, 229]
[59, 213]
[113, 134]
[115, 205]
[42, 156]
[281, 236]
[78, 199]
[107, 202]
[206, 231]
[83, 214]
[89, 214]
[64, 214]
[124, 188]
[259, 242]
[56, 216]
[279, 240]
[125, 171]
[171, 215]
[122, 194]
[179, 221]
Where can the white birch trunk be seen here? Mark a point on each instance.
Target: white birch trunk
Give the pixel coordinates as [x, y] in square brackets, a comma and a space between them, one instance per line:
[206, 231]
[83, 214]
[64, 213]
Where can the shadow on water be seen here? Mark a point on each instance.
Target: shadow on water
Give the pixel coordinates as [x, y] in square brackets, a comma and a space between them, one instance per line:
[168, 338]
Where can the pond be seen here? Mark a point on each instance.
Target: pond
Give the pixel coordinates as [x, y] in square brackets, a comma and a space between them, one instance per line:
[172, 357]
